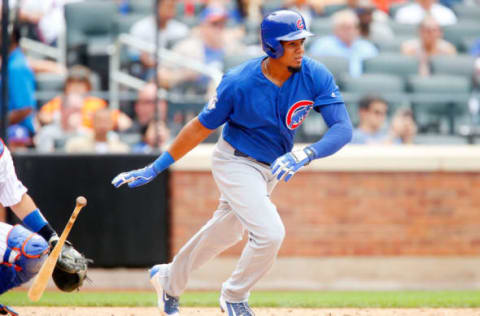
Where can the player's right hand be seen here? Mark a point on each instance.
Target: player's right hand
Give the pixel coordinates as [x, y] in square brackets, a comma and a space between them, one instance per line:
[135, 178]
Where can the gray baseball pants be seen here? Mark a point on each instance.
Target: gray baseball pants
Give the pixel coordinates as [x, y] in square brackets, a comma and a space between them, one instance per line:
[245, 187]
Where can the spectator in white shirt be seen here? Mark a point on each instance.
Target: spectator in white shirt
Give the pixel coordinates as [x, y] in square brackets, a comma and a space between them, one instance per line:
[170, 31]
[47, 15]
[414, 13]
[345, 42]
[429, 43]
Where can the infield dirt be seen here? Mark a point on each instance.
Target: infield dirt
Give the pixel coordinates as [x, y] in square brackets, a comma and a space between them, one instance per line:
[151, 311]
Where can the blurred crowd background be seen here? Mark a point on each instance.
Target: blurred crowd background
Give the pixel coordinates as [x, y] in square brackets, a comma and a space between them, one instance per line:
[83, 74]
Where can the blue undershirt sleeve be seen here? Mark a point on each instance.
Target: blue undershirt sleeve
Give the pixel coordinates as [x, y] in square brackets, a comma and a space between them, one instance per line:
[339, 131]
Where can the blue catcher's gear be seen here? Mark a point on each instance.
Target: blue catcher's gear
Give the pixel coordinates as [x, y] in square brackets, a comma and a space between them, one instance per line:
[25, 253]
[282, 25]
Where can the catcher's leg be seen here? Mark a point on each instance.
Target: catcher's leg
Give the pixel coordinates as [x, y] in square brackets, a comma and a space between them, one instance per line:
[23, 255]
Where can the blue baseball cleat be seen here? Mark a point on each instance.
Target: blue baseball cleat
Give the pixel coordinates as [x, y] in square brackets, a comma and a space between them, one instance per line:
[5, 310]
[168, 304]
[236, 309]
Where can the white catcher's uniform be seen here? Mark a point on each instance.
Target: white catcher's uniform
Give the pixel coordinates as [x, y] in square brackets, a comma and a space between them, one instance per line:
[11, 189]
[237, 178]
[22, 252]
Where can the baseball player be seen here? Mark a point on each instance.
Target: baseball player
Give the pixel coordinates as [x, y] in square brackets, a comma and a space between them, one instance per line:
[23, 248]
[262, 102]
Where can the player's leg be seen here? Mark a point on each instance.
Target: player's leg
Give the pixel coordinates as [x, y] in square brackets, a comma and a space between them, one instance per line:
[221, 232]
[247, 186]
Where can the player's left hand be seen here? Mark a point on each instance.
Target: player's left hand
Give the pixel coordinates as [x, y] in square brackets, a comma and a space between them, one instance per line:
[135, 178]
[284, 167]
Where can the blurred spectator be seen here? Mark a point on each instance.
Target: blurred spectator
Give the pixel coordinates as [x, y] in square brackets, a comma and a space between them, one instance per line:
[475, 52]
[372, 129]
[384, 5]
[170, 31]
[475, 49]
[373, 23]
[155, 137]
[403, 127]
[428, 44]
[46, 66]
[208, 44]
[77, 89]
[319, 5]
[18, 138]
[46, 15]
[103, 140]
[304, 7]
[21, 86]
[345, 42]
[52, 137]
[123, 6]
[247, 11]
[414, 13]
[145, 109]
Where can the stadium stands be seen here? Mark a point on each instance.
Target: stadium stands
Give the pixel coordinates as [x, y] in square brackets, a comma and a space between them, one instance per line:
[440, 101]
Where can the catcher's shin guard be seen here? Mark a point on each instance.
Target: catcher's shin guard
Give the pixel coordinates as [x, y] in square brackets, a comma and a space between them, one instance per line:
[30, 251]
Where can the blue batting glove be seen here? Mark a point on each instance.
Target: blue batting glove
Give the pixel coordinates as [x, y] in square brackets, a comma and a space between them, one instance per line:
[143, 176]
[135, 178]
[284, 167]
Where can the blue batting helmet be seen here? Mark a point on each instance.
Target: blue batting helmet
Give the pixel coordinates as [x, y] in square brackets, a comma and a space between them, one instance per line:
[282, 25]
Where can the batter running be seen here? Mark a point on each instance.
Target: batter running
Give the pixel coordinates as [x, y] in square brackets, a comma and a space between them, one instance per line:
[262, 102]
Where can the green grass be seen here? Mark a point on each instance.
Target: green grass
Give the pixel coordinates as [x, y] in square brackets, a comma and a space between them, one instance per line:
[310, 299]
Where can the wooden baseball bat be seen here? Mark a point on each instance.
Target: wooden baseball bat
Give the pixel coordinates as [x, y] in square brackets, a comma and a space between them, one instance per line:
[40, 283]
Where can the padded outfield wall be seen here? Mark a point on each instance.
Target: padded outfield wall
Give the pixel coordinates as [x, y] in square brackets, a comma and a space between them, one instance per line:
[118, 227]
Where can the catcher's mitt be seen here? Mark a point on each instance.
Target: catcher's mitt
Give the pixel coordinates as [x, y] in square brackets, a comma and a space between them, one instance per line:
[71, 268]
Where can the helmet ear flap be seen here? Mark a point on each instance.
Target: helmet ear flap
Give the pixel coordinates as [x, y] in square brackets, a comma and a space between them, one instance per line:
[273, 48]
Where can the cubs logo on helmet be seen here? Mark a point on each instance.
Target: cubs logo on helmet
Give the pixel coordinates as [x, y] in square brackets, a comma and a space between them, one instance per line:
[300, 25]
[297, 113]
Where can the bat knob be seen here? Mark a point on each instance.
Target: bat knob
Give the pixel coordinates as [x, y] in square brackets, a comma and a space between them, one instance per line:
[81, 200]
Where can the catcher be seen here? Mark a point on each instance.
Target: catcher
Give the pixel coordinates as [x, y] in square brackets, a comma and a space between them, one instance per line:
[23, 248]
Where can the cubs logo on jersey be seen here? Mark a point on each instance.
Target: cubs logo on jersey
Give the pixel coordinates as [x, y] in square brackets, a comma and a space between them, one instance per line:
[297, 113]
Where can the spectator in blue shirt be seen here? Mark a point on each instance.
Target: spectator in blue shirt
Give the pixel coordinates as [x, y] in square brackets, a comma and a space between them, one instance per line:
[345, 42]
[373, 129]
[21, 86]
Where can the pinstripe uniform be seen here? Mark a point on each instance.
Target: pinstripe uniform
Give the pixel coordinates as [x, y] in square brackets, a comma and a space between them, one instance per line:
[11, 189]
[22, 252]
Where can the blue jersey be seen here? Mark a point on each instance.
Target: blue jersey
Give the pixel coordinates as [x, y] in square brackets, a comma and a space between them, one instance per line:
[261, 118]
